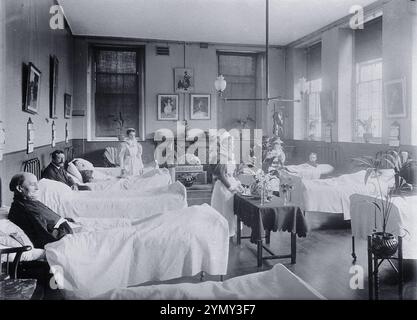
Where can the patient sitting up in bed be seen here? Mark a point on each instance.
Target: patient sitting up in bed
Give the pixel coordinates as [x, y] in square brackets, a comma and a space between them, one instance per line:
[310, 169]
[40, 223]
[55, 171]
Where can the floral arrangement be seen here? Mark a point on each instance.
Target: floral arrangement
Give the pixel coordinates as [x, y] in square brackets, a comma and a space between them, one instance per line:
[265, 184]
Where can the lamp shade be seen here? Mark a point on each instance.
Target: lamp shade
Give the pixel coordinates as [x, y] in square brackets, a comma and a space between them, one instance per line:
[220, 84]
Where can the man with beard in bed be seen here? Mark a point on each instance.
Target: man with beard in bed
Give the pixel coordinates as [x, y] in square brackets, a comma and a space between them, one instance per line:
[56, 171]
[41, 224]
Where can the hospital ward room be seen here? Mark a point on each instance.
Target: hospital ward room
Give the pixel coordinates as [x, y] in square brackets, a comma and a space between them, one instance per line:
[208, 150]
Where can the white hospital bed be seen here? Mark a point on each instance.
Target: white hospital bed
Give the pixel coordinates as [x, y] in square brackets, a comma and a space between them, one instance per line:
[333, 195]
[105, 254]
[278, 283]
[176, 244]
[102, 204]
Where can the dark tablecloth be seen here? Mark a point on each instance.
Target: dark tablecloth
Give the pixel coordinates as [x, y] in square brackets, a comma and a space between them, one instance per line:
[272, 216]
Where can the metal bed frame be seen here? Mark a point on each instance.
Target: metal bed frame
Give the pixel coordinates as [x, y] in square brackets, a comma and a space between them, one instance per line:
[33, 166]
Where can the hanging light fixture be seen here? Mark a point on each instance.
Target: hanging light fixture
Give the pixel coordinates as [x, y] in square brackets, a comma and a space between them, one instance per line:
[220, 83]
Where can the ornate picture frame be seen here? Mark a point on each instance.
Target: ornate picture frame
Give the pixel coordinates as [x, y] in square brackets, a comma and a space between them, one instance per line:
[183, 80]
[167, 107]
[67, 106]
[32, 92]
[200, 107]
[395, 99]
[53, 85]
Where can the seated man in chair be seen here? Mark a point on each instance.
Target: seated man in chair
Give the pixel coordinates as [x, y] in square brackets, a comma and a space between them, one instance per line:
[40, 223]
[55, 171]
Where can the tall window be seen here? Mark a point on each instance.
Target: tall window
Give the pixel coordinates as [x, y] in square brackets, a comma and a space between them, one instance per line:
[239, 70]
[368, 58]
[313, 92]
[118, 92]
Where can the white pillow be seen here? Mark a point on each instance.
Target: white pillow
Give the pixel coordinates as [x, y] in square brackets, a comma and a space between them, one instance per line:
[75, 179]
[8, 228]
[74, 172]
[83, 164]
[325, 168]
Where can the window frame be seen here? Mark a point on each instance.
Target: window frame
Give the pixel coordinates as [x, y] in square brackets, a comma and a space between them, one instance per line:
[308, 94]
[355, 79]
[91, 90]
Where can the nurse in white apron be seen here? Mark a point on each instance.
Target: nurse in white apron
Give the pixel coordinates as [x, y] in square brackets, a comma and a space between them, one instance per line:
[131, 155]
[226, 184]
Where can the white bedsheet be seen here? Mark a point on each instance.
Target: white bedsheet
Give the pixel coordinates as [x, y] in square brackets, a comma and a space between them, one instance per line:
[172, 245]
[402, 220]
[333, 195]
[122, 204]
[276, 283]
[307, 171]
[151, 179]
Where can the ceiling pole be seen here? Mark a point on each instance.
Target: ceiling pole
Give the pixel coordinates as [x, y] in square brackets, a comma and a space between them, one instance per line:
[267, 52]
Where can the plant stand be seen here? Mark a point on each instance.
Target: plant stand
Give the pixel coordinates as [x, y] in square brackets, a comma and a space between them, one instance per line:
[374, 262]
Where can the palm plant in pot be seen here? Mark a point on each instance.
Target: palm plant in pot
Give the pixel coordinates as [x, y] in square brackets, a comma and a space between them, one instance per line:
[384, 243]
[400, 162]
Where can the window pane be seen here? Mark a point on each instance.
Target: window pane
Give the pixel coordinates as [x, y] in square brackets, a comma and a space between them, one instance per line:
[116, 61]
[368, 113]
[117, 92]
[314, 111]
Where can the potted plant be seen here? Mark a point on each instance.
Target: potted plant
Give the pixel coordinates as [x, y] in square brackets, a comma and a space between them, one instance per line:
[384, 244]
[399, 161]
[367, 128]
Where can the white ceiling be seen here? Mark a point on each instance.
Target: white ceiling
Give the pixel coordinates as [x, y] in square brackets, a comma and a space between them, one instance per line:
[216, 21]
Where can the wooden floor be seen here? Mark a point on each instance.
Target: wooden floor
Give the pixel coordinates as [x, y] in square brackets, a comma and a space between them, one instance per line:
[323, 259]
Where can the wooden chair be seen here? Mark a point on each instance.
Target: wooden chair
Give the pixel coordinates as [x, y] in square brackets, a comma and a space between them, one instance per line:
[11, 267]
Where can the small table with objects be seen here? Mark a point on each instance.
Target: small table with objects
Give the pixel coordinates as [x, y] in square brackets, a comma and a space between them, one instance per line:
[271, 216]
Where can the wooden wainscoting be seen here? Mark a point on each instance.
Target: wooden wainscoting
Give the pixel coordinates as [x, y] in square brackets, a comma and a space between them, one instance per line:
[12, 163]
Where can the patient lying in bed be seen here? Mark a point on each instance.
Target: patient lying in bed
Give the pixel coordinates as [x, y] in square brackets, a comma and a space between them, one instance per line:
[110, 179]
[112, 253]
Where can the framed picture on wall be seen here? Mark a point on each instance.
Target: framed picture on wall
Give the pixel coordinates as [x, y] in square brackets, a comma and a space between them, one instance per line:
[200, 108]
[33, 85]
[67, 106]
[167, 107]
[53, 85]
[394, 93]
[183, 80]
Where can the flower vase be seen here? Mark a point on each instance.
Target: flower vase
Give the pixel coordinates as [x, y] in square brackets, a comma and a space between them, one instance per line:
[285, 196]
